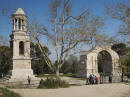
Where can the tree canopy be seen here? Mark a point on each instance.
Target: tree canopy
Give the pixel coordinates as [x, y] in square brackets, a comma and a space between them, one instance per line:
[124, 52]
[39, 65]
[4, 59]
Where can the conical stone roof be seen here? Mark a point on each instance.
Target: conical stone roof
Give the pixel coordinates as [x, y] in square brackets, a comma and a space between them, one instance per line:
[19, 11]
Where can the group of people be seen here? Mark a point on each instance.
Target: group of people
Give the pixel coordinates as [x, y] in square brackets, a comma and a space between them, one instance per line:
[93, 79]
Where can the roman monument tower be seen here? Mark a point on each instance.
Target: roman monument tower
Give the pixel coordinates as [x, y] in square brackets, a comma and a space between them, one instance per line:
[20, 49]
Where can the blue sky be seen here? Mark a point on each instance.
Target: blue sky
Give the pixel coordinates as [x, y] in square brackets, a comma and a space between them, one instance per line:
[39, 8]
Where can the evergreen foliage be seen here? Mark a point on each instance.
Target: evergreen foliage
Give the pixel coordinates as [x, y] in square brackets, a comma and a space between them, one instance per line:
[4, 59]
[39, 65]
[124, 53]
[70, 65]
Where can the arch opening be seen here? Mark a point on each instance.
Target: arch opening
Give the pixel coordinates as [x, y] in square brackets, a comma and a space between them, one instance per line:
[21, 48]
[104, 63]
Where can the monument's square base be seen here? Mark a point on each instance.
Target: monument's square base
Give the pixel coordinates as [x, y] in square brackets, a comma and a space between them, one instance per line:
[21, 75]
[19, 78]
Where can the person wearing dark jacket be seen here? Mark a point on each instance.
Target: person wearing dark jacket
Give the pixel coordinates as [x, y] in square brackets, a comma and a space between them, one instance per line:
[110, 79]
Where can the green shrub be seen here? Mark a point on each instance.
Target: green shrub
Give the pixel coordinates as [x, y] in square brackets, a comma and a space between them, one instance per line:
[7, 93]
[52, 83]
[45, 75]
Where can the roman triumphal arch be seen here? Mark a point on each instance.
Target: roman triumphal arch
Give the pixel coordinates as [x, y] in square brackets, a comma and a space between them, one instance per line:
[99, 60]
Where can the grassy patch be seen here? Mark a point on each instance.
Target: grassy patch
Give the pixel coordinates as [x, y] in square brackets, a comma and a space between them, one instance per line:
[51, 83]
[45, 75]
[7, 93]
[53, 75]
[73, 76]
[68, 75]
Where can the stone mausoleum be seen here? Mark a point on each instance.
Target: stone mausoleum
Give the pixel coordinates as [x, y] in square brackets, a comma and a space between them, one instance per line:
[100, 61]
[20, 49]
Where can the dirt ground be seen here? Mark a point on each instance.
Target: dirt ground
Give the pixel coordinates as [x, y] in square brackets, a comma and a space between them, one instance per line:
[126, 94]
[102, 90]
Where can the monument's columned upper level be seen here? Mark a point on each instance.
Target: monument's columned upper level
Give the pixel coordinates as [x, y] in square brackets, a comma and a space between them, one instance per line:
[19, 21]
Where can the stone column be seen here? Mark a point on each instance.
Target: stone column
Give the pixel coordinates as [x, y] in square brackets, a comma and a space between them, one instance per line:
[13, 24]
[113, 68]
[15, 48]
[17, 24]
[92, 64]
[25, 25]
[96, 64]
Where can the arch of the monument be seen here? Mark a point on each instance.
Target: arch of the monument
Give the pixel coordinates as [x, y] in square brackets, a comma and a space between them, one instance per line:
[90, 63]
[92, 60]
[104, 63]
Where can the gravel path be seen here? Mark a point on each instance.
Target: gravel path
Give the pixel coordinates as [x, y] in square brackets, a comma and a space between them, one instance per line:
[102, 90]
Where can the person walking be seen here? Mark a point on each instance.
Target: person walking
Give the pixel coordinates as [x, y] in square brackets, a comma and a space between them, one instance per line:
[93, 77]
[110, 78]
[29, 80]
[90, 79]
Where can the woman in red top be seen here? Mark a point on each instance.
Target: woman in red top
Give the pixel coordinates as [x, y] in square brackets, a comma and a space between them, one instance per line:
[96, 80]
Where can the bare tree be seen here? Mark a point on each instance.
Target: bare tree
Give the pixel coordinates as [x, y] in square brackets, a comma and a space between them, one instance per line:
[66, 31]
[121, 11]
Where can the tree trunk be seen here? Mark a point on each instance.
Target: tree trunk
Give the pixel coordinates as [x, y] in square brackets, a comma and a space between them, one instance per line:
[122, 77]
[57, 74]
